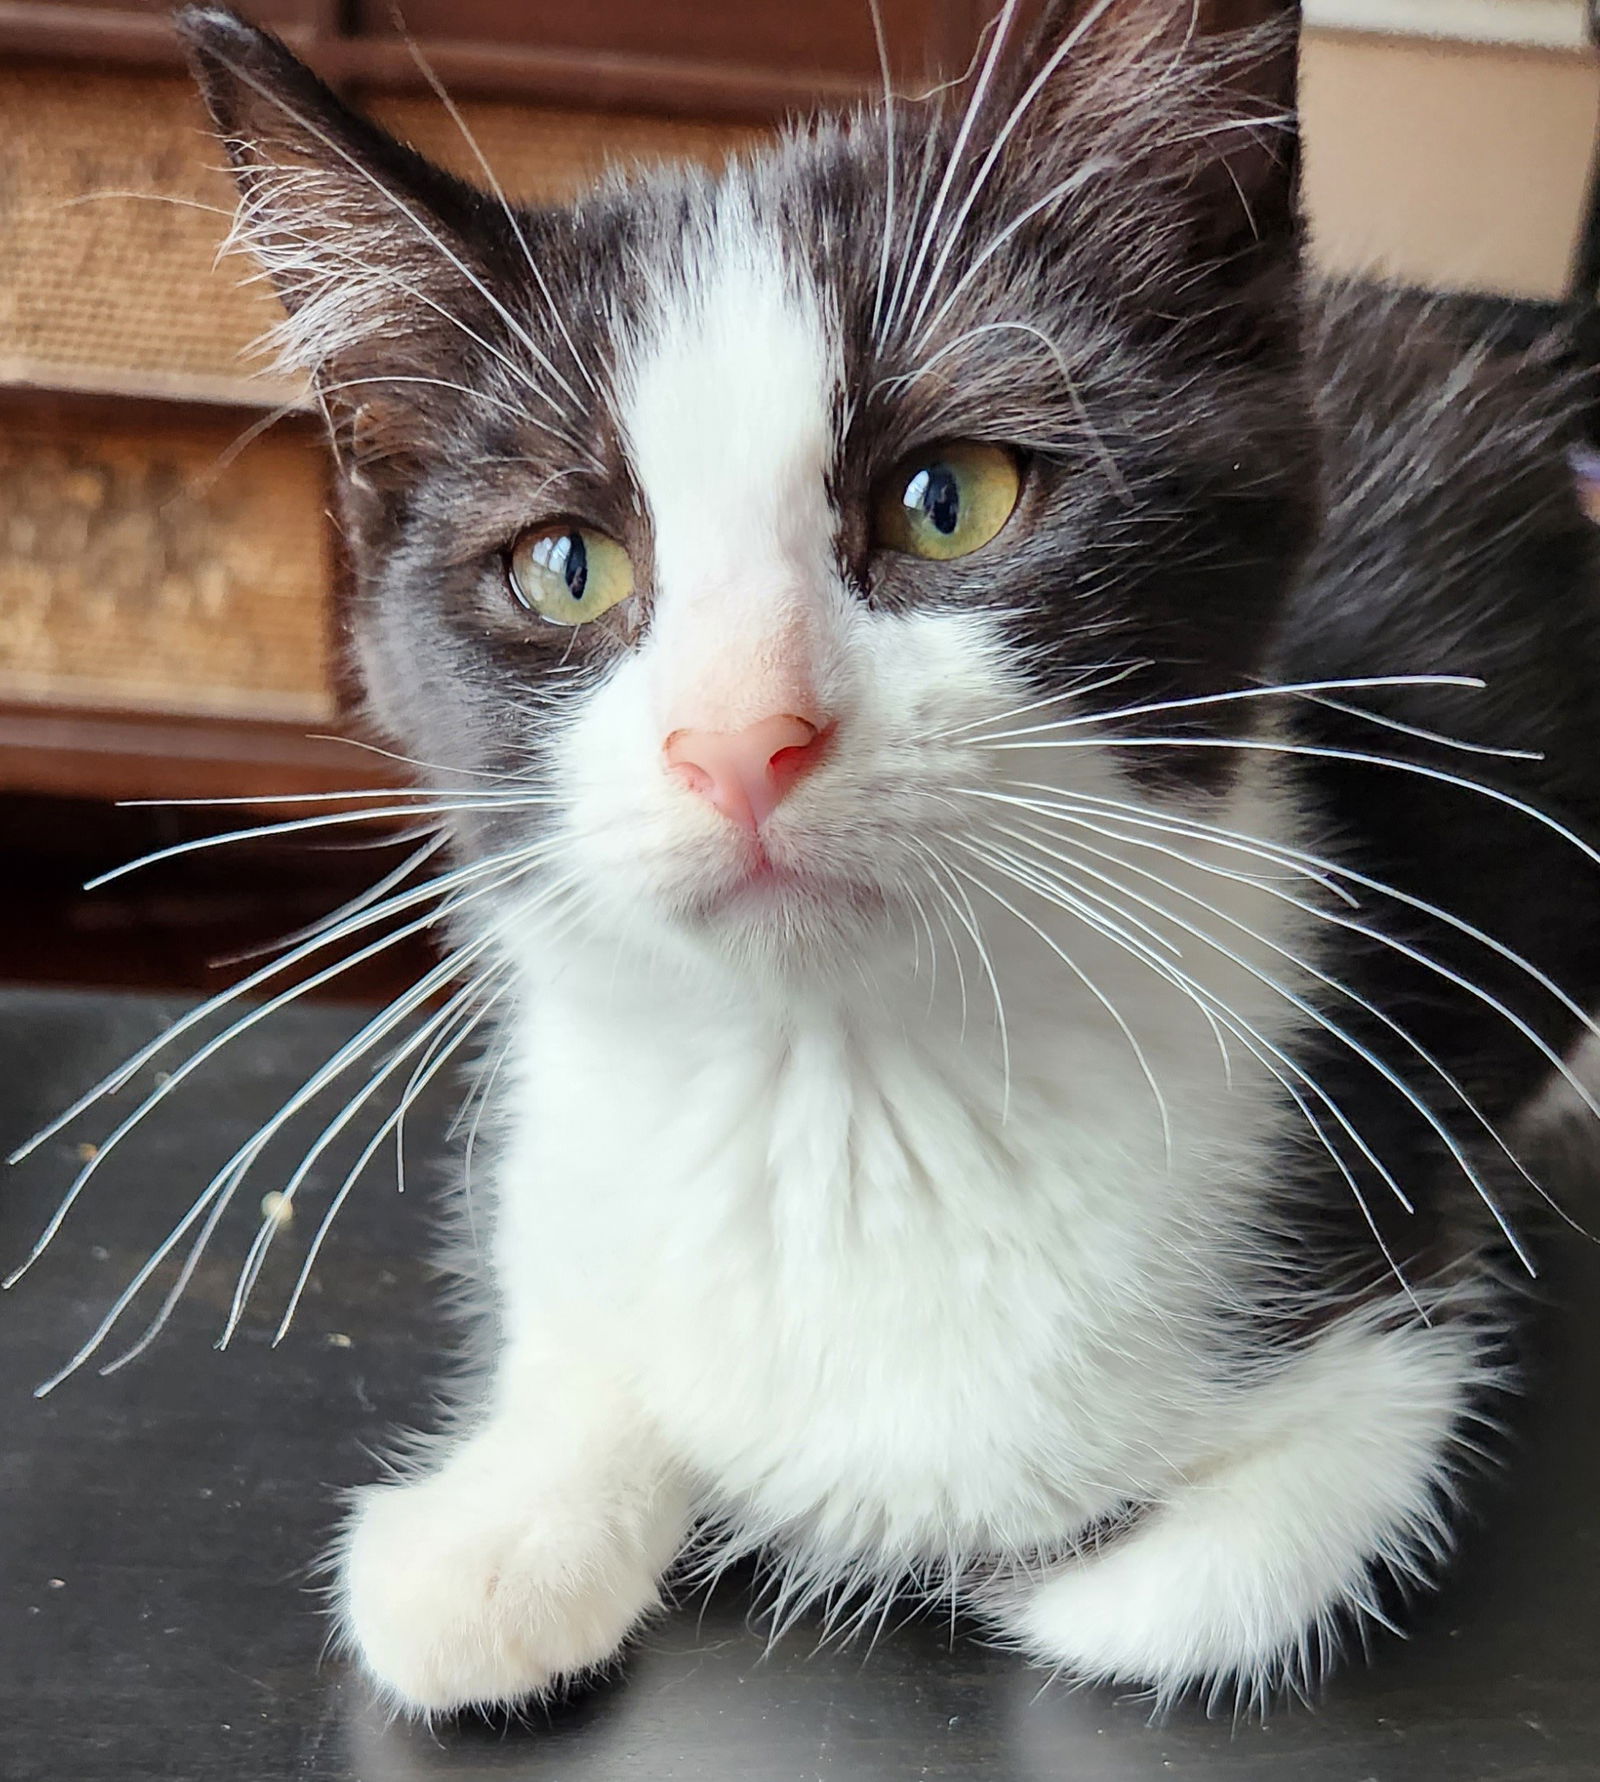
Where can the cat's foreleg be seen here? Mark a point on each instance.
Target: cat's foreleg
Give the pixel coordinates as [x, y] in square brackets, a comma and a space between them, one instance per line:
[1340, 1468]
[524, 1555]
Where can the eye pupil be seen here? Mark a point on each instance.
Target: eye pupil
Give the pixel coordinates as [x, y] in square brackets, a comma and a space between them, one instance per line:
[947, 501]
[936, 493]
[570, 560]
[569, 573]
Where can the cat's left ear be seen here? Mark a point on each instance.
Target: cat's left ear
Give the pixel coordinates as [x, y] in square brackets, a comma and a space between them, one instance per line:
[1197, 99]
[370, 247]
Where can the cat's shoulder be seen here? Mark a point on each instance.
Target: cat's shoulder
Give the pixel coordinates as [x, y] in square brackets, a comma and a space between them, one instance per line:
[1453, 539]
[1444, 386]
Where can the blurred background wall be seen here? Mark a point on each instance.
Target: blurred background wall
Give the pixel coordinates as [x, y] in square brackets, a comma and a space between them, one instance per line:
[1449, 163]
[169, 576]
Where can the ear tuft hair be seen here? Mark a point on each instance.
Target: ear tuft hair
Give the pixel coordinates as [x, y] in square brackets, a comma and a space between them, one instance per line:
[1194, 108]
[366, 242]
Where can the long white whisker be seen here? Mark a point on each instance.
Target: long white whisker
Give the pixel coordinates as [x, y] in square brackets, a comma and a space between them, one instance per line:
[904, 267]
[955, 945]
[1237, 695]
[1312, 866]
[429, 1038]
[1088, 983]
[910, 893]
[1119, 920]
[1065, 806]
[211, 210]
[511, 217]
[482, 1094]
[336, 930]
[1421, 732]
[1321, 1018]
[374, 893]
[1427, 962]
[284, 798]
[1342, 1165]
[969, 119]
[978, 261]
[297, 825]
[1361, 758]
[1030, 93]
[518, 778]
[961, 904]
[876, 9]
[427, 1068]
[1104, 914]
[439, 1023]
[1079, 689]
[225, 1184]
[547, 894]
[1273, 1058]
[218, 1192]
[259, 1013]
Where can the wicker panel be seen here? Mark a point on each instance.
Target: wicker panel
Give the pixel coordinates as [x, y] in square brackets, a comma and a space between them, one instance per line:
[111, 208]
[141, 569]
[113, 205]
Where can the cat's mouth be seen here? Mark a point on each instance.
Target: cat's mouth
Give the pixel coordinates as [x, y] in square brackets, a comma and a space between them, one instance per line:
[765, 882]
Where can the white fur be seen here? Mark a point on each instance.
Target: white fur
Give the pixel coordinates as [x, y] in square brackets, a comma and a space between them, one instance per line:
[529, 1555]
[794, 1234]
[1334, 1465]
[729, 413]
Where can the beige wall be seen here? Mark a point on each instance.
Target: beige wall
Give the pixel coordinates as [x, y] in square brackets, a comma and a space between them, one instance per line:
[1457, 166]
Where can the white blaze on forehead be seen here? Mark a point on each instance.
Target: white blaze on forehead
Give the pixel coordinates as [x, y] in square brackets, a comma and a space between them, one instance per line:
[728, 416]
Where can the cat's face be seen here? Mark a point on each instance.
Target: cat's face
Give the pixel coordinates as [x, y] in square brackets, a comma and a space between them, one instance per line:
[738, 512]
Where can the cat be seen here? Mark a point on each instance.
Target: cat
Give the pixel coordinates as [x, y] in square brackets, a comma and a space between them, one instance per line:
[1020, 779]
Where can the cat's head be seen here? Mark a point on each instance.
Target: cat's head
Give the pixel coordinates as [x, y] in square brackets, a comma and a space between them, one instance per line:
[739, 512]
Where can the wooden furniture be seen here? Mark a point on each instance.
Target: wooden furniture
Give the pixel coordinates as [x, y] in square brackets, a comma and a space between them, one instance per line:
[700, 58]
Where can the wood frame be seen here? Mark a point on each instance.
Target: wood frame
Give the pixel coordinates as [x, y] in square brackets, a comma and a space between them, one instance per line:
[588, 78]
[85, 752]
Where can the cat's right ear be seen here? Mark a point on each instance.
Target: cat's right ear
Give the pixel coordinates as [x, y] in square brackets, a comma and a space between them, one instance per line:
[367, 244]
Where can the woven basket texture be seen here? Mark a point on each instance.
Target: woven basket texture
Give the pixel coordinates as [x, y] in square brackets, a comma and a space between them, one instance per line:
[148, 565]
[113, 205]
[164, 569]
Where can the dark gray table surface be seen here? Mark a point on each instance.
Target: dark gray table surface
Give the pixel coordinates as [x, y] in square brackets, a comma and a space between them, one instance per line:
[156, 1527]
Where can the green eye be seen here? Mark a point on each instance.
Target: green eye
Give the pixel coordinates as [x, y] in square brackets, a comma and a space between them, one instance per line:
[948, 500]
[569, 574]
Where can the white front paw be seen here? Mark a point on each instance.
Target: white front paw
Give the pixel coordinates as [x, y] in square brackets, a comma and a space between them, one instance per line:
[452, 1602]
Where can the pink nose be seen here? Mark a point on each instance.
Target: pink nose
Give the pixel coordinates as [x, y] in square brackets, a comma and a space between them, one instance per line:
[745, 773]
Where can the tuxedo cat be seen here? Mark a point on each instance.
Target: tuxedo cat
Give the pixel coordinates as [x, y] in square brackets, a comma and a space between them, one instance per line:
[1020, 785]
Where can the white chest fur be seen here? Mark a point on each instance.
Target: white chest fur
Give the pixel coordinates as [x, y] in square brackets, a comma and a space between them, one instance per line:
[882, 1288]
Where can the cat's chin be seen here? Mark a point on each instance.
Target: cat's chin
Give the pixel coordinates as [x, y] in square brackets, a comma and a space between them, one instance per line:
[777, 894]
[779, 908]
